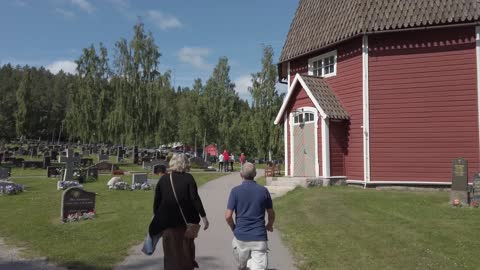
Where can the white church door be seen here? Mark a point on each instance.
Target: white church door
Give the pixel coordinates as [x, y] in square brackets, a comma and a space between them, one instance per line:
[304, 143]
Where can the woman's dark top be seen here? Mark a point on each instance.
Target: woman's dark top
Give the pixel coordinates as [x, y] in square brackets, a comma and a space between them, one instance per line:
[165, 208]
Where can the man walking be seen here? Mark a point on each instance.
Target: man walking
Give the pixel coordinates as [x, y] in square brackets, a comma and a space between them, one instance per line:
[249, 201]
[226, 157]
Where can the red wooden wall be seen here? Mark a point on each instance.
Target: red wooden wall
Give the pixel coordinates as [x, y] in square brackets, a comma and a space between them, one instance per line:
[338, 147]
[347, 85]
[423, 104]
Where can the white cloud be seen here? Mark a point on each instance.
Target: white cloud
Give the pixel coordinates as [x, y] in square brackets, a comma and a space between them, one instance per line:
[162, 20]
[195, 56]
[19, 3]
[65, 13]
[242, 84]
[120, 4]
[65, 65]
[83, 5]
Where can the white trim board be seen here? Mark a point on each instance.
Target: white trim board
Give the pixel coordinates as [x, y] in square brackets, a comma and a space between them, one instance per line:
[298, 79]
[325, 147]
[285, 137]
[366, 113]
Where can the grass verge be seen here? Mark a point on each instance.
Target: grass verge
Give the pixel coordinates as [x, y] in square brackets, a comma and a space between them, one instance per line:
[32, 220]
[349, 228]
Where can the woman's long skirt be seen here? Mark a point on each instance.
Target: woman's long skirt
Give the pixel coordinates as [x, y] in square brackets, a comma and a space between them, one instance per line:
[179, 252]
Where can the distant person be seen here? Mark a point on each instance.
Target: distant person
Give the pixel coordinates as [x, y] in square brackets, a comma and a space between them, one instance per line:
[177, 203]
[226, 158]
[243, 159]
[220, 162]
[249, 201]
[232, 160]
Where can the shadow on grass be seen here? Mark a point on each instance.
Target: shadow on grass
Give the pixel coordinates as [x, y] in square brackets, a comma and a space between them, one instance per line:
[205, 262]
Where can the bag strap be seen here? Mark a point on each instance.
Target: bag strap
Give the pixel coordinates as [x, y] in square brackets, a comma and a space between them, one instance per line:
[176, 199]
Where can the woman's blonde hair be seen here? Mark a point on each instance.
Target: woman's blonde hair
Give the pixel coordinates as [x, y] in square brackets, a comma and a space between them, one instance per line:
[179, 163]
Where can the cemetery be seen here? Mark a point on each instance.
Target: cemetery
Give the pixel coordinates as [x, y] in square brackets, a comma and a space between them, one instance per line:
[365, 132]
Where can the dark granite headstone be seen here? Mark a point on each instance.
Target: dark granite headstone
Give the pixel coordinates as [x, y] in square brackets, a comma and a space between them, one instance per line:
[46, 162]
[92, 172]
[86, 162]
[32, 164]
[139, 178]
[54, 171]
[77, 201]
[476, 188]
[158, 168]
[4, 173]
[135, 155]
[106, 166]
[459, 189]
[102, 157]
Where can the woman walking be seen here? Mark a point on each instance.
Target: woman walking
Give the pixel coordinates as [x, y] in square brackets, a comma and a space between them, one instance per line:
[177, 204]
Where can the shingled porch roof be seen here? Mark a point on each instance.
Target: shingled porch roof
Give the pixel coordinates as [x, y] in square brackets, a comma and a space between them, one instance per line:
[321, 95]
[321, 23]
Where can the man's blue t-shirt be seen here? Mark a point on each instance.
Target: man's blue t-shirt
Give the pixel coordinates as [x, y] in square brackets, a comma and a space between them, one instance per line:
[249, 201]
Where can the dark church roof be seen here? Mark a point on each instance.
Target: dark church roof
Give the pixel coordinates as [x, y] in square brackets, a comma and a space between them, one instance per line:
[325, 97]
[319, 23]
[321, 95]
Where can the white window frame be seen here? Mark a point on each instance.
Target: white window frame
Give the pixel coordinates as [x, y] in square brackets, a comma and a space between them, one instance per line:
[303, 111]
[322, 59]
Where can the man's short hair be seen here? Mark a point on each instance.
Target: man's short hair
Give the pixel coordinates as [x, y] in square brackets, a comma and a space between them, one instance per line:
[249, 171]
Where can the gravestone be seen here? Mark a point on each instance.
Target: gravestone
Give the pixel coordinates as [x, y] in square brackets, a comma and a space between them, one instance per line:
[135, 155]
[46, 162]
[53, 155]
[149, 164]
[4, 173]
[32, 164]
[86, 162]
[476, 188]
[92, 172]
[139, 178]
[158, 168]
[54, 171]
[106, 166]
[102, 157]
[119, 154]
[69, 166]
[198, 163]
[459, 189]
[77, 201]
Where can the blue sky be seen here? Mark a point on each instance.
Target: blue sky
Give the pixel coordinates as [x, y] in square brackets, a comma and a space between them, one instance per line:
[192, 34]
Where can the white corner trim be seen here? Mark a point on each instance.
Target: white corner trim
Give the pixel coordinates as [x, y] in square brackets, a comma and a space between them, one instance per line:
[355, 182]
[292, 153]
[298, 79]
[366, 113]
[317, 165]
[409, 182]
[325, 148]
[285, 142]
[477, 37]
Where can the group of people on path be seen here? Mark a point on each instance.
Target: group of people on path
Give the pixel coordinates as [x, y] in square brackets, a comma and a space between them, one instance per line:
[226, 160]
[178, 210]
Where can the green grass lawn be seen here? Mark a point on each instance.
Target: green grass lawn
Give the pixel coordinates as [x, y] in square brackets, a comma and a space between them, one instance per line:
[350, 228]
[32, 220]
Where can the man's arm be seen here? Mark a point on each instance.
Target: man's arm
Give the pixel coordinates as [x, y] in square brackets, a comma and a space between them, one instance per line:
[229, 219]
[271, 219]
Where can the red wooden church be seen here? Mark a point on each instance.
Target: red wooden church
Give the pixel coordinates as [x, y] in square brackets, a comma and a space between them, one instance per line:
[381, 91]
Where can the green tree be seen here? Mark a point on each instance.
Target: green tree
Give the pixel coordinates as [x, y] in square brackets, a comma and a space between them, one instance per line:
[22, 97]
[266, 102]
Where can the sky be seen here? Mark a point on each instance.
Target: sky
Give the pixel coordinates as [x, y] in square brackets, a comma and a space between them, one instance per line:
[191, 35]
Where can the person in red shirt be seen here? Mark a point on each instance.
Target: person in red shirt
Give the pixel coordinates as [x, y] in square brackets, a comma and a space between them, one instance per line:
[226, 157]
[243, 159]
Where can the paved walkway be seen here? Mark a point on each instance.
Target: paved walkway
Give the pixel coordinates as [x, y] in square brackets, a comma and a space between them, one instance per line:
[214, 245]
[10, 260]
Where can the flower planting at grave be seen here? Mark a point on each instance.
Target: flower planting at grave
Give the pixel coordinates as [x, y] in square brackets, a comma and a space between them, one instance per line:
[474, 204]
[63, 185]
[121, 185]
[80, 216]
[139, 186]
[10, 188]
[456, 203]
